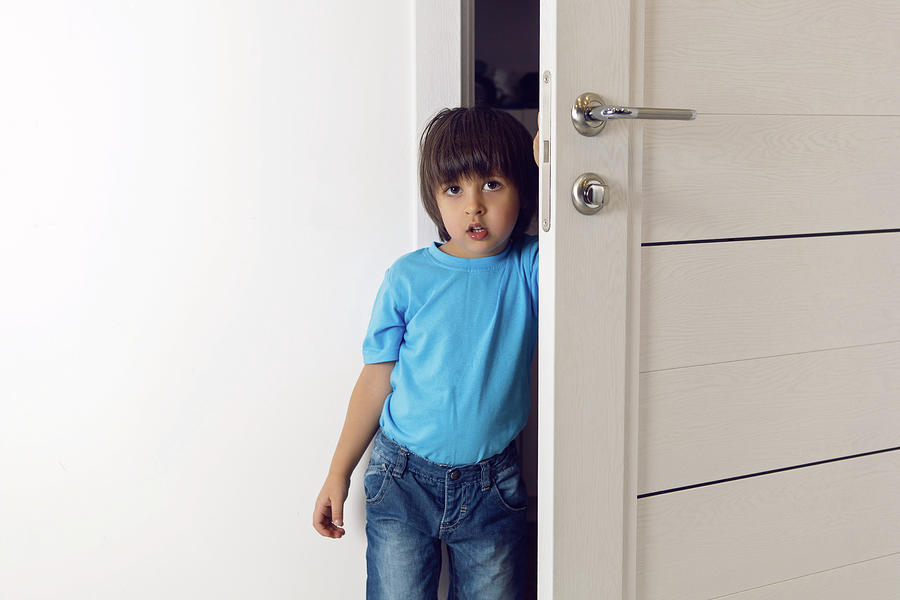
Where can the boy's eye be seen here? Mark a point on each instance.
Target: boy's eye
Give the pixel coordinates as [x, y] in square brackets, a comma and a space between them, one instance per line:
[453, 190]
[493, 185]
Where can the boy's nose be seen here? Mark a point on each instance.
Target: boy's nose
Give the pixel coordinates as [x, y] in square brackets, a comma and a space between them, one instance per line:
[474, 205]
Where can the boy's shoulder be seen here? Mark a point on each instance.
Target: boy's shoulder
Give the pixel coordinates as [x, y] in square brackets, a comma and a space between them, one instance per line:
[410, 262]
[529, 247]
[412, 258]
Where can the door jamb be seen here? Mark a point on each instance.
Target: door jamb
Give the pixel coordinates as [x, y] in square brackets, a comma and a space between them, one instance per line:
[444, 61]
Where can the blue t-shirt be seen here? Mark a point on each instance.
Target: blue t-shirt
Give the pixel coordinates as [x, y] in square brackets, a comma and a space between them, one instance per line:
[463, 332]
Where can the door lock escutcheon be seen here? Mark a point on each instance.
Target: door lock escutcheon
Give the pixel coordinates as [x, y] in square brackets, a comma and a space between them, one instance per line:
[590, 194]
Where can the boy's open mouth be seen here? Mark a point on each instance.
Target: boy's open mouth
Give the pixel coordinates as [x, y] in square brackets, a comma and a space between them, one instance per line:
[477, 231]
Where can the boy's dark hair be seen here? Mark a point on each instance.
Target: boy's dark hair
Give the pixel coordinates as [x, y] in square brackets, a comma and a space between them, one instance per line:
[462, 142]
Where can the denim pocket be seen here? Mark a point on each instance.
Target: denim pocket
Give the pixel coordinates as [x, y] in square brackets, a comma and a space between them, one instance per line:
[509, 489]
[376, 480]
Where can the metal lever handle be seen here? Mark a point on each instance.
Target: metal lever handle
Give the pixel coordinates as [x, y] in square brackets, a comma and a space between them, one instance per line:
[591, 113]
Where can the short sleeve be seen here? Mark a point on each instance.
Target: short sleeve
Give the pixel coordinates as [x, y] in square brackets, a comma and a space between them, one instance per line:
[386, 326]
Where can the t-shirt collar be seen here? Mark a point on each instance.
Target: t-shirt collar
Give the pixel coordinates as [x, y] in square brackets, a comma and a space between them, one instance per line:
[472, 264]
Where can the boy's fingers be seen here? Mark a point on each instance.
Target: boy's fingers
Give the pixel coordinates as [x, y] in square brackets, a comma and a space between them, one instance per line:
[337, 513]
[328, 515]
[322, 521]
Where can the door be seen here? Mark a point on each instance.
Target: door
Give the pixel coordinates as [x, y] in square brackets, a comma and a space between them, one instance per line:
[720, 344]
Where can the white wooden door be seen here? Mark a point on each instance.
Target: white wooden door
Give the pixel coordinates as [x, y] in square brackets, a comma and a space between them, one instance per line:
[720, 345]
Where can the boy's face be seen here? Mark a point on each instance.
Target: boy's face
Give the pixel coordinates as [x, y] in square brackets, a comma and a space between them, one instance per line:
[491, 203]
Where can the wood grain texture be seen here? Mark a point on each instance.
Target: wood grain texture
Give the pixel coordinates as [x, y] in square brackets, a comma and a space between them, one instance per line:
[721, 539]
[753, 355]
[738, 176]
[633, 301]
[718, 302]
[584, 267]
[712, 422]
[763, 354]
[773, 57]
[879, 577]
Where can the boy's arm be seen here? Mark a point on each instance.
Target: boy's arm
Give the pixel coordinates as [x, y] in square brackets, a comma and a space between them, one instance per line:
[360, 425]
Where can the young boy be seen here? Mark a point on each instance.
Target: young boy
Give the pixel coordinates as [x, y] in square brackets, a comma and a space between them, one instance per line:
[445, 386]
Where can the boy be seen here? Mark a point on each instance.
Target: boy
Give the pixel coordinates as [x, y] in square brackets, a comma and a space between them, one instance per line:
[445, 386]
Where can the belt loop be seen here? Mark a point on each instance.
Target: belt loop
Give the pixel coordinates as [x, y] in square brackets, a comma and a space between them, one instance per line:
[400, 467]
[485, 476]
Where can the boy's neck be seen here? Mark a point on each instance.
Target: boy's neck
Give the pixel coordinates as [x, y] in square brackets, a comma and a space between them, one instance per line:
[454, 251]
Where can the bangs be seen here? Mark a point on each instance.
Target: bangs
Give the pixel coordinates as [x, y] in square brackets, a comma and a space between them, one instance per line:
[468, 144]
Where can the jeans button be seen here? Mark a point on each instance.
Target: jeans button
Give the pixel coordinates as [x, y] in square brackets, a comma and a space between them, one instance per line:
[454, 474]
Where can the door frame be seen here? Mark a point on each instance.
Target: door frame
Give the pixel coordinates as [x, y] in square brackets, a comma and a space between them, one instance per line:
[442, 55]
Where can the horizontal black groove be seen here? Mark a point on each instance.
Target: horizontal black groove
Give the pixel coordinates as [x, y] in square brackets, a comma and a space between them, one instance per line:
[821, 462]
[769, 237]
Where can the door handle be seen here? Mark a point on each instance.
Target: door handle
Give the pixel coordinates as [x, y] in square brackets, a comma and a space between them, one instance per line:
[591, 113]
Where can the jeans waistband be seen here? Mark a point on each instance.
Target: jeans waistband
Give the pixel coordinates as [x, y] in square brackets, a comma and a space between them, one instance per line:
[400, 459]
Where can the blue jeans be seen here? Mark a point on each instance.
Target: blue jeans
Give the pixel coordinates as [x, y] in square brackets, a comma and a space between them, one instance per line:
[478, 510]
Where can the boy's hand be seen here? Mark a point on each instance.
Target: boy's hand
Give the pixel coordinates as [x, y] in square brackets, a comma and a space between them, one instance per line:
[537, 142]
[328, 517]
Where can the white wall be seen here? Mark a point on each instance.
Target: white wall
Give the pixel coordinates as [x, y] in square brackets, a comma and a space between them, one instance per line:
[198, 201]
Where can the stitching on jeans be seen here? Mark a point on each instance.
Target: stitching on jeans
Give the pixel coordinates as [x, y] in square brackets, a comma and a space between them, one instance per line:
[402, 463]
[495, 492]
[444, 514]
[382, 456]
[475, 478]
[378, 498]
[460, 519]
[465, 495]
[503, 464]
